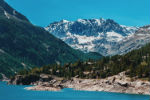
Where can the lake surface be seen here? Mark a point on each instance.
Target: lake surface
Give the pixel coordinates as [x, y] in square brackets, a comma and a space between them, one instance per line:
[13, 92]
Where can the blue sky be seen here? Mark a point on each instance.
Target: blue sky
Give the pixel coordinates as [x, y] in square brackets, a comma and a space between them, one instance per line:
[44, 12]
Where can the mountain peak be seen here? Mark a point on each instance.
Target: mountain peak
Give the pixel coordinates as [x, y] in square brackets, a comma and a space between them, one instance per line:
[64, 21]
[81, 20]
[88, 27]
[95, 35]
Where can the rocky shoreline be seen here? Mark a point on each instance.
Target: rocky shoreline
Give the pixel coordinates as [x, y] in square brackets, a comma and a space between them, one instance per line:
[118, 83]
[43, 88]
[111, 84]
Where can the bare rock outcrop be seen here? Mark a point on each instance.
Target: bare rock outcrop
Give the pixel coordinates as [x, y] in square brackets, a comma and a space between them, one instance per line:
[118, 83]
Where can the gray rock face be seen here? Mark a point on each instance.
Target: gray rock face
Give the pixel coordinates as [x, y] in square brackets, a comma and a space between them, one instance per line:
[99, 35]
[136, 41]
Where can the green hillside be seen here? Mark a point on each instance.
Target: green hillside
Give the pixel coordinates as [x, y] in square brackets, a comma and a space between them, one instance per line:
[136, 64]
[25, 45]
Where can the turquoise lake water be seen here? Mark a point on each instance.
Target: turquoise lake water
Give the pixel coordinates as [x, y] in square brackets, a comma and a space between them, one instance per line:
[13, 92]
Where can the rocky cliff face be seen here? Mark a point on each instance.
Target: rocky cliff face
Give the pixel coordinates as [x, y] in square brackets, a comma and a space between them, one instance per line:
[106, 37]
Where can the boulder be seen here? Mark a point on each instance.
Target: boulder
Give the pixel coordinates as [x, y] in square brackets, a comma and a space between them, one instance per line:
[124, 84]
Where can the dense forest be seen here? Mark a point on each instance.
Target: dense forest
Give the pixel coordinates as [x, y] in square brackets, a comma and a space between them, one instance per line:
[136, 64]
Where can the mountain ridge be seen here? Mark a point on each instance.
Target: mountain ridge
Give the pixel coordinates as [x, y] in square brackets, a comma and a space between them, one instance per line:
[96, 35]
[7, 11]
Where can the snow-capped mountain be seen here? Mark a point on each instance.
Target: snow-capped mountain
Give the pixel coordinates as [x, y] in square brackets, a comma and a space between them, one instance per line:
[135, 41]
[106, 37]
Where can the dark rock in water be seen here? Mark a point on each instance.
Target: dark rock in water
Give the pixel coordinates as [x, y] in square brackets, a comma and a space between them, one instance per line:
[61, 86]
[24, 80]
[16, 80]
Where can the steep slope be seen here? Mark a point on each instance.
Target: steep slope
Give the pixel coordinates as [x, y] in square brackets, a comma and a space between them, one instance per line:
[96, 35]
[10, 64]
[128, 43]
[24, 45]
[136, 41]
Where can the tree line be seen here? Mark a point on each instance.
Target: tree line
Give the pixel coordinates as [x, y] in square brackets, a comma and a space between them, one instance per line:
[136, 64]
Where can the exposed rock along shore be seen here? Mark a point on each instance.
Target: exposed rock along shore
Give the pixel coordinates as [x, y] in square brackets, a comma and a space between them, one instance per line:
[118, 83]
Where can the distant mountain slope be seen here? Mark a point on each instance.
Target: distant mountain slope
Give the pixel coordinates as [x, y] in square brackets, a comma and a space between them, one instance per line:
[96, 35]
[135, 41]
[23, 45]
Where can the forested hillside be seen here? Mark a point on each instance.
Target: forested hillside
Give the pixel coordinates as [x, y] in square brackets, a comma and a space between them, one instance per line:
[135, 63]
[23, 45]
